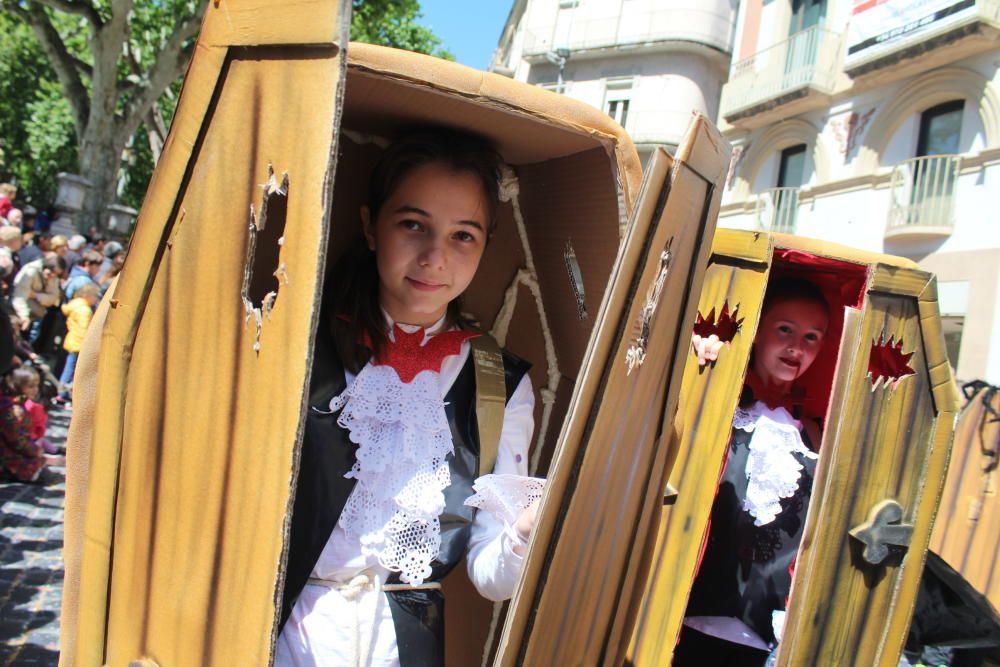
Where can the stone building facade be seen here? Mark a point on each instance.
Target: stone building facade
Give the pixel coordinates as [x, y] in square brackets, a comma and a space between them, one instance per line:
[647, 63]
[876, 124]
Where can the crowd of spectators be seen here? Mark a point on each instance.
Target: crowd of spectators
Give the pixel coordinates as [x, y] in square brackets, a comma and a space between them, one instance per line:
[49, 287]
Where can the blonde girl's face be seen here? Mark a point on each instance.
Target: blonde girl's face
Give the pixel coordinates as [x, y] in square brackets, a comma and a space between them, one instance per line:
[788, 340]
[428, 239]
[30, 390]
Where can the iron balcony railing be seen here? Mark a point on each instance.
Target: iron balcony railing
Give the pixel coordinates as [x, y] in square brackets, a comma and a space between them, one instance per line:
[777, 210]
[923, 192]
[806, 59]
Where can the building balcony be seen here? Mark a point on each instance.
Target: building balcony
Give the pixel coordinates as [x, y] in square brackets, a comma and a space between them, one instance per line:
[695, 27]
[791, 77]
[658, 126]
[922, 204]
[936, 40]
[777, 210]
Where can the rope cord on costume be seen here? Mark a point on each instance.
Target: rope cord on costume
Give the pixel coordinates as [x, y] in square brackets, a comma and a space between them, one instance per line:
[352, 591]
[528, 276]
[362, 138]
[991, 415]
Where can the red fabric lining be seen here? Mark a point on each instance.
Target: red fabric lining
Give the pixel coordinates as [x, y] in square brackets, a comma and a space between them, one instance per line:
[725, 327]
[843, 285]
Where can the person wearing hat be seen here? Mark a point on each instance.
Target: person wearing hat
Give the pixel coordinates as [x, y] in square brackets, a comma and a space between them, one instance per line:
[111, 250]
[76, 245]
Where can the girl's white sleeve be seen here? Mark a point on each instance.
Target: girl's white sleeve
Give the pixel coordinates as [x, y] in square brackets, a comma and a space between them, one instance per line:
[496, 552]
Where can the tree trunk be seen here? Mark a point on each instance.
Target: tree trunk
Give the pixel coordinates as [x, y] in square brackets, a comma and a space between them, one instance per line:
[100, 161]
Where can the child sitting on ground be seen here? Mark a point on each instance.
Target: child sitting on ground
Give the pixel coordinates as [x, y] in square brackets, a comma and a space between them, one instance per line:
[78, 312]
[736, 610]
[21, 459]
[25, 381]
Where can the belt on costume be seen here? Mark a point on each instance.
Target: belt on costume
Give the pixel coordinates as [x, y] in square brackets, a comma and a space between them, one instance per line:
[363, 581]
[366, 608]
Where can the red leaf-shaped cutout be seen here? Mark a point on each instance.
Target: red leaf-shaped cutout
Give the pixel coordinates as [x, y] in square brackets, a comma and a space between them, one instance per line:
[725, 327]
[887, 363]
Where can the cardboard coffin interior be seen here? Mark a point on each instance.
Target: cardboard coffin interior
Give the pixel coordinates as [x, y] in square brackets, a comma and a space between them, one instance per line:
[843, 286]
[544, 272]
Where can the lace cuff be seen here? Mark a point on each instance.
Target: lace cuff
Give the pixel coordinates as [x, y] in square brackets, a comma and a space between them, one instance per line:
[505, 496]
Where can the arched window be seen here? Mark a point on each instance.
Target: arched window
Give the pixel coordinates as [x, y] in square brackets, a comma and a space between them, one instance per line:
[792, 166]
[940, 129]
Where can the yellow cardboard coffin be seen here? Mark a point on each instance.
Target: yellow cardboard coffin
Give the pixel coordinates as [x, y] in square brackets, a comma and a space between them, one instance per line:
[967, 530]
[890, 405]
[207, 345]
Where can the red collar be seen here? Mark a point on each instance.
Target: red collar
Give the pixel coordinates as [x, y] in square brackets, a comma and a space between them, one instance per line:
[793, 400]
[409, 358]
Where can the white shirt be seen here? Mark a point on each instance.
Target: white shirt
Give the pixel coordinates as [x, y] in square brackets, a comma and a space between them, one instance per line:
[324, 627]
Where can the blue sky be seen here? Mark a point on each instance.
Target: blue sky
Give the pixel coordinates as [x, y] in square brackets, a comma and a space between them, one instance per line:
[468, 28]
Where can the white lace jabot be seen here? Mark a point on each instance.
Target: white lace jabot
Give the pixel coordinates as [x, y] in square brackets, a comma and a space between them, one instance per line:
[772, 471]
[403, 440]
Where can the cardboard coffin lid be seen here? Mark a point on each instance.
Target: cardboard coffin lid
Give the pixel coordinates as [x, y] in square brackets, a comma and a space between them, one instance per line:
[858, 467]
[590, 543]
[177, 484]
[967, 529]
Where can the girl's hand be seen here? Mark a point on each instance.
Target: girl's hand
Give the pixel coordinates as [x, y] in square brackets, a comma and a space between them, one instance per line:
[706, 349]
[526, 521]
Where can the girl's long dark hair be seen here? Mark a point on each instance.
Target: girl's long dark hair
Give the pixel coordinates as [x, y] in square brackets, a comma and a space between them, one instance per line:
[350, 301]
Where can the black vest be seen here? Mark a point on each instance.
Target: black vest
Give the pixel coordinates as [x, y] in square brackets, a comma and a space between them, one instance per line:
[322, 491]
[744, 572]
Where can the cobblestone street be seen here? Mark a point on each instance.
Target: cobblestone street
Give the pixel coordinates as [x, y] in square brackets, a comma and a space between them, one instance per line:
[31, 567]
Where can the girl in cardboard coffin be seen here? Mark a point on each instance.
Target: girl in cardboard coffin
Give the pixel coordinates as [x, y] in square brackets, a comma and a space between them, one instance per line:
[736, 609]
[390, 457]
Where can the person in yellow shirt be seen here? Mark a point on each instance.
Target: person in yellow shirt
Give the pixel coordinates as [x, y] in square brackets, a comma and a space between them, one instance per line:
[78, 312]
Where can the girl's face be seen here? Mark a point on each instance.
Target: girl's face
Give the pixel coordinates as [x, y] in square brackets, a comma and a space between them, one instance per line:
[788, 339]
[428, 239]
[30, 390]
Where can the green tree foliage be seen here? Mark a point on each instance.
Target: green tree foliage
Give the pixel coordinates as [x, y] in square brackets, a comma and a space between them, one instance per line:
[112, 60]
[50, 113]
[37, 138]
[394, 23]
